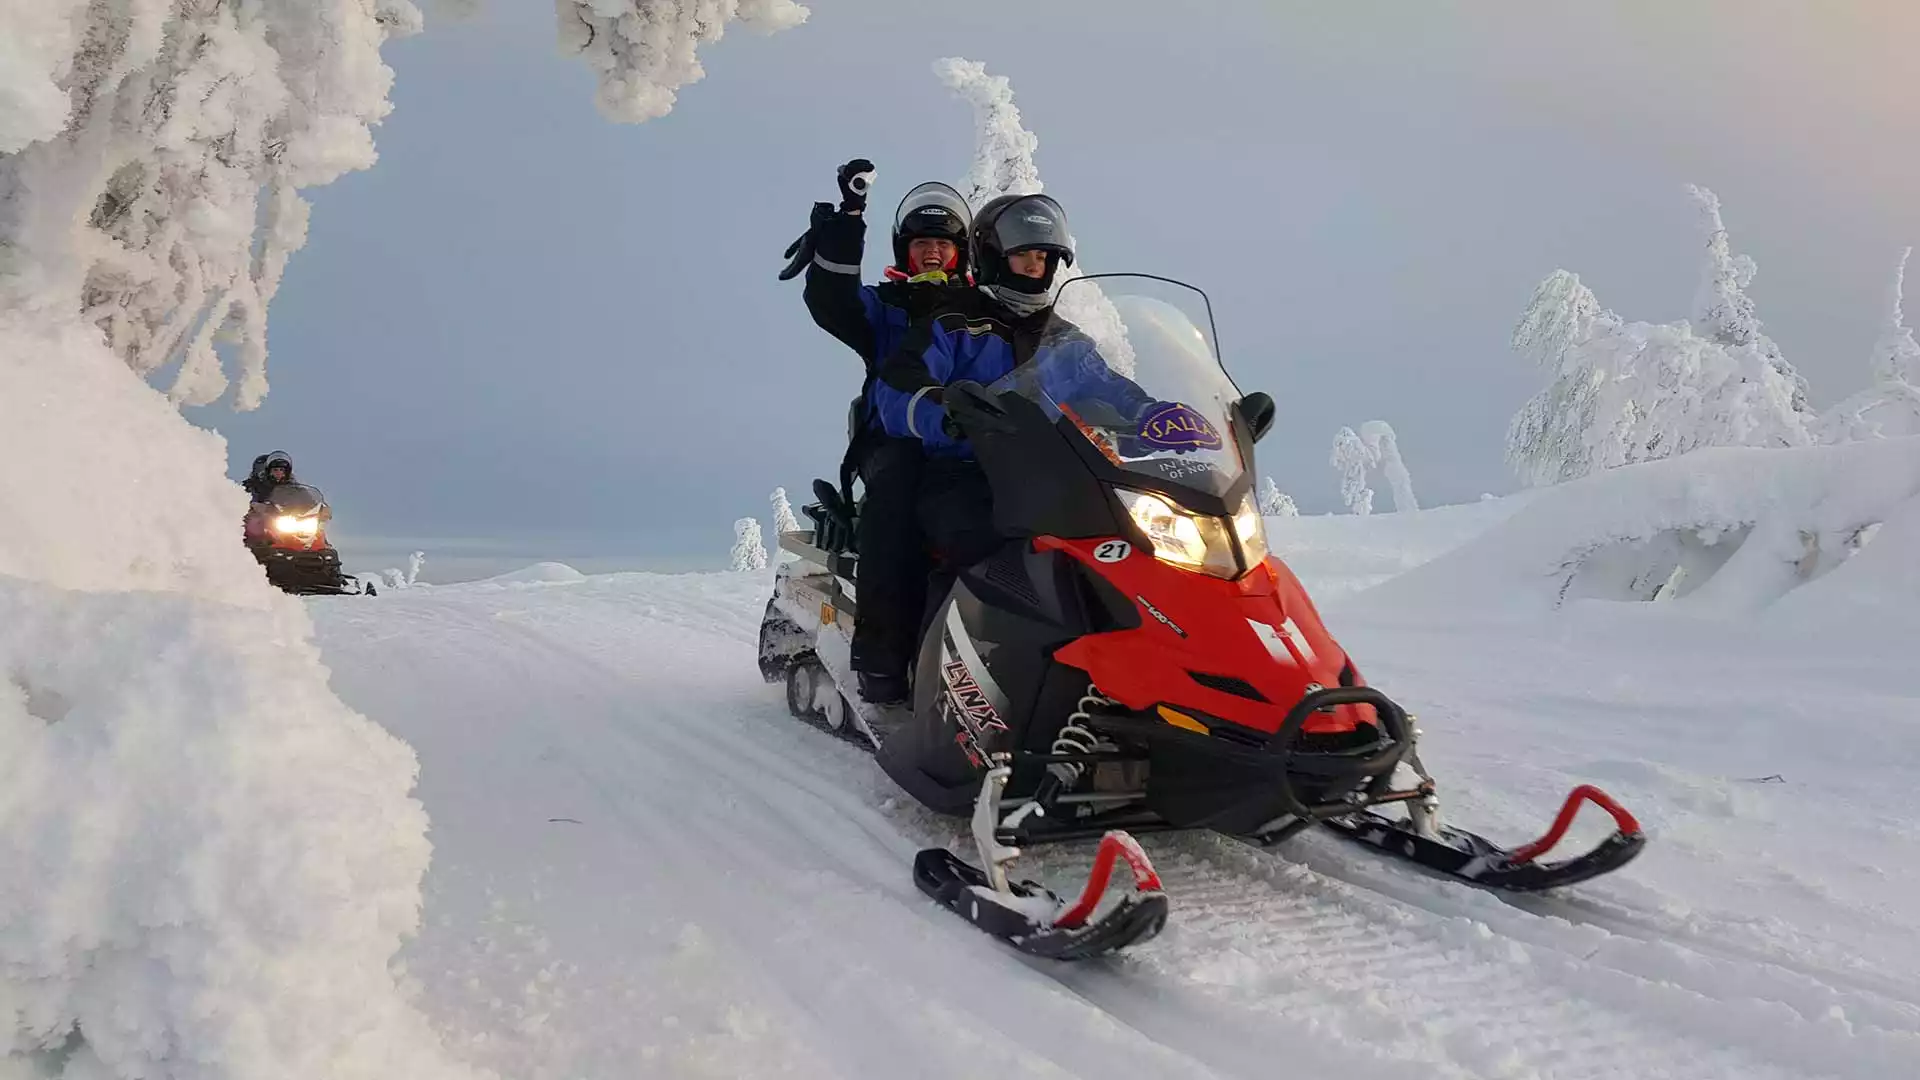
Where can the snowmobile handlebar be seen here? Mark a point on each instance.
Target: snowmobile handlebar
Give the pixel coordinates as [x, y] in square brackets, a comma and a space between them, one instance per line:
[1393, 721]
[972, 407]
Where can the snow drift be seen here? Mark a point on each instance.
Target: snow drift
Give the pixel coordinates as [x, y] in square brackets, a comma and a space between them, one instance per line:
[1731, 530]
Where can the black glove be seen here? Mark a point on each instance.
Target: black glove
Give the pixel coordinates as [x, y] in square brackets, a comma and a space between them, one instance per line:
[855, 179]
[800, 252]
[950, 426]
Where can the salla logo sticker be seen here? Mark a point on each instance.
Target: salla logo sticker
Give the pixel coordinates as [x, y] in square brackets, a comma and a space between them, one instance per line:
[1173, 426]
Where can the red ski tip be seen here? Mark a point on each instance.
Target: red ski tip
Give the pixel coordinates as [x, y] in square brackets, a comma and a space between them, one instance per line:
[1113, 846]
[1585, 793]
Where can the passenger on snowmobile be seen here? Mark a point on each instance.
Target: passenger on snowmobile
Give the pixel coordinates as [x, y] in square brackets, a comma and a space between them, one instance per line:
[269, 471]
[929, 261]
[1020, 243]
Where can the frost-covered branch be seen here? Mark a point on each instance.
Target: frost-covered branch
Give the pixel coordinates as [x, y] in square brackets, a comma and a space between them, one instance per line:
[644, 51]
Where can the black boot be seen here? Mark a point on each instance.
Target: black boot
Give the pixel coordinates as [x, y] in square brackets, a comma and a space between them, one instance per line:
[883, 689]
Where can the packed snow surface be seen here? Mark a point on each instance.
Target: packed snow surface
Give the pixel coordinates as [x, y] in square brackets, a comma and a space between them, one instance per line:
[644, 866]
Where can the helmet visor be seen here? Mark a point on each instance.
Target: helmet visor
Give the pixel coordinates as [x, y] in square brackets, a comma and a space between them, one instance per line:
[1033, 222]
[933, 209]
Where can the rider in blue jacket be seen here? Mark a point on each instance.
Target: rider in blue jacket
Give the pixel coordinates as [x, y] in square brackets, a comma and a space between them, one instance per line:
[1020, 243]
[929, 264]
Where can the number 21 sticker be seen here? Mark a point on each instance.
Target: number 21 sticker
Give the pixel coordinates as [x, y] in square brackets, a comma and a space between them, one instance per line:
[1113, 550]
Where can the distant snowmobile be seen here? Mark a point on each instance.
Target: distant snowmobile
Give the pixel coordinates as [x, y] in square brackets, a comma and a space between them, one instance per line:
[1137, 661]
[288, 534]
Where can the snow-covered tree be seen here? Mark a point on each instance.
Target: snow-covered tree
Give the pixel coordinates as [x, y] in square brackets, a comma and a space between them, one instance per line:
[1003, 165]
[783, 519]
[1620, 392]
[1547, 439]
[1351, 459]
[159, 199]
[154, 150]
[1003, 147]
[1274, 502]
[1890, 404]
[1896, 357]
[1384, 448]
[644, 51]
[1722, 311]
[749, 552]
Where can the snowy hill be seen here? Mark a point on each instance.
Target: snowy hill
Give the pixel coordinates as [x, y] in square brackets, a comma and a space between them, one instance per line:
[643, 866]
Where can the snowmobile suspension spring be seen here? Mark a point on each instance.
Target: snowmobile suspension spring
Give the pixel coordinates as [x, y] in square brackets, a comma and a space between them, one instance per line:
[1076, 737]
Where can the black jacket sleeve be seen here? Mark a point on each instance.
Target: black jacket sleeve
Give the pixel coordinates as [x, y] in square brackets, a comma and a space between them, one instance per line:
[833, 290]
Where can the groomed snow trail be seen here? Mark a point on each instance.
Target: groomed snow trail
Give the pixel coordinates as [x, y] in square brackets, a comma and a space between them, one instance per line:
[643, 866]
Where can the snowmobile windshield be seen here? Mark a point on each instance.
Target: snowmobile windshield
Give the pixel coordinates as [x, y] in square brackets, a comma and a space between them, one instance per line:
[299, 500]
[1130, 360]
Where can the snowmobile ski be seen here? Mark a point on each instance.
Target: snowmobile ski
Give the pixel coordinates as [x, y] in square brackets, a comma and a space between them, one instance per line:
[1473, 858]
[964, 890]
[1030, 917]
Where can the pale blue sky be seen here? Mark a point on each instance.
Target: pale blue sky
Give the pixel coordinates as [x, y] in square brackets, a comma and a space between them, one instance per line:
[527, 322]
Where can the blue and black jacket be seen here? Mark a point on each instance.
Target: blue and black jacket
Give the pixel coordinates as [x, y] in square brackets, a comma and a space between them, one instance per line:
[872, 320]
[977, 338]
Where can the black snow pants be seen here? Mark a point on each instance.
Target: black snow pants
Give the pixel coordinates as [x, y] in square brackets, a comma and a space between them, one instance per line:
[891, 574]
[956, 513]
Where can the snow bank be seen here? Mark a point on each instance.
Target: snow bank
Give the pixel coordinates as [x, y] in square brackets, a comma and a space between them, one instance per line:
[211, 860]
[1338, 554]
[1726, 531]
[540, 573]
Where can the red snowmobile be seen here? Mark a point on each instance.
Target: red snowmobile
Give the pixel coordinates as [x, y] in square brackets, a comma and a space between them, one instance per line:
[1136, 661]
[288, 535]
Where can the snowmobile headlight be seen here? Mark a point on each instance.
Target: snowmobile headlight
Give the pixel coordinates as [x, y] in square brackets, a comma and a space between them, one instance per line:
[288, 525]
[1251, 528]
[1193, 541]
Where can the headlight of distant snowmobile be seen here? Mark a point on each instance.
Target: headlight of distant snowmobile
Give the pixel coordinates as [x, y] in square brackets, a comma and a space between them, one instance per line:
[1251, 528]
[1194, 541]
[287, 524]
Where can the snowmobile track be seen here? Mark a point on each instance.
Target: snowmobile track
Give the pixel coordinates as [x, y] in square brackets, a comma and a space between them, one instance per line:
[1318, 954]
[1431, 987]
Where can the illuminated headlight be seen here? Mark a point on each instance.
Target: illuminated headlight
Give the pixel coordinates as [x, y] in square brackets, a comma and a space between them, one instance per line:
[1251, 528]
[288, 525]
[1194, 541]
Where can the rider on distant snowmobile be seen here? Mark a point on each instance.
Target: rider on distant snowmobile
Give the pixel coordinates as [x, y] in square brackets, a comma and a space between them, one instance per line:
[929, 263]
[269, 471]
[1020, 243]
